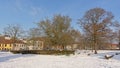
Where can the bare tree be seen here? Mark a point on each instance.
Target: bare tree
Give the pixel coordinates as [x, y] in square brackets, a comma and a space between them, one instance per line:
[14, 31]
[111, 36]
[117, 32]
[34, 32]
[119, 39]
[96, 23]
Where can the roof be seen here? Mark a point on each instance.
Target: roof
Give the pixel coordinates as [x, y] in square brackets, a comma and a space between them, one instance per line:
[114, 44]
[9, 41]
[38, 39]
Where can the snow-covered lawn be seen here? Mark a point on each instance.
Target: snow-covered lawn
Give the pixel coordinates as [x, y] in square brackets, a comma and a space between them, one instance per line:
[82, 60]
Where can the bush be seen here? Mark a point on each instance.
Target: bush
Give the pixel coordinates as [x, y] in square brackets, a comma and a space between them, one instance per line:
[45, 52]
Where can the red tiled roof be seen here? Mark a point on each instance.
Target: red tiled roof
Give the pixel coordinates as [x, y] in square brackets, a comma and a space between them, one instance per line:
[9, 41]
[114, 44]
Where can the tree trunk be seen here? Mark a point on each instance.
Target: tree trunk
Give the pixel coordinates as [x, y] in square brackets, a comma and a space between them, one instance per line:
[95, 52]
[95, 49]
[119, 40]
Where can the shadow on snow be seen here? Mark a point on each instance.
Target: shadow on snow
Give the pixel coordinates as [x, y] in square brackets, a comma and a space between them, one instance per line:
[6, 57]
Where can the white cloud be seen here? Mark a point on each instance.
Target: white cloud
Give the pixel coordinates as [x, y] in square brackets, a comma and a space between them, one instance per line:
[34, 11]
[28, 8]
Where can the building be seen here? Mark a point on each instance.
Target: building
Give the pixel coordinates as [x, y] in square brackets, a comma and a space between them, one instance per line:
[19, 45]
[36, 43]
[113, 46]
[73, 46]
[7, 44]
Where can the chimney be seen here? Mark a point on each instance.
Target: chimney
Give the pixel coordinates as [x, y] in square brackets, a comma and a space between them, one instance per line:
[7, 37]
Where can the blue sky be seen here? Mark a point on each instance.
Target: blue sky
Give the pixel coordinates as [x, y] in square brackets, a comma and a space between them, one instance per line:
[27, 12]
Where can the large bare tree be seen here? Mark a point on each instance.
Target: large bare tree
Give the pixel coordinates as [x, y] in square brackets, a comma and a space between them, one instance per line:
[96, 22]
[118, 33]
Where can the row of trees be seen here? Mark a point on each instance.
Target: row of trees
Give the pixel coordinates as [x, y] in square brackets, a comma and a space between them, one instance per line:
[97, 25]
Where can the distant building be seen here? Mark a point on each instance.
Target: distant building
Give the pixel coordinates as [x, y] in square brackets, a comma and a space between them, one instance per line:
[36, 43]
[113, 46]
[19, 45]
[73, 46]
[7, 44]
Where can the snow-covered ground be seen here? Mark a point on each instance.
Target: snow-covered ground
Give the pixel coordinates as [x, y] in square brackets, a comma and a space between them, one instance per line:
[79, 60]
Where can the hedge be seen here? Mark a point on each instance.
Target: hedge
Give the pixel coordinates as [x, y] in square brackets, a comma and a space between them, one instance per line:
[45, 52]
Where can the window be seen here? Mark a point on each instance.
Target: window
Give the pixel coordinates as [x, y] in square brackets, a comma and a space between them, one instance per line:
[2, 48]
[5, 45]
[14, 45]
[10, 45]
